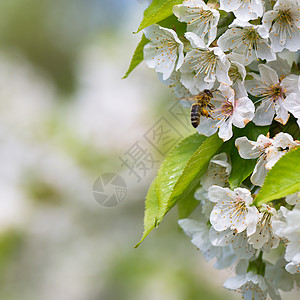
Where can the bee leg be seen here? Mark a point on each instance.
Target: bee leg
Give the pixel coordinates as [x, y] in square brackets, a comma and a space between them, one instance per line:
[211, 106]
[205, 113]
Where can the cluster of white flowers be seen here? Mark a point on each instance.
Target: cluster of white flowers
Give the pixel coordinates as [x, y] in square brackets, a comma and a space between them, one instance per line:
[247, 54]
[260, 44]
[236, 233]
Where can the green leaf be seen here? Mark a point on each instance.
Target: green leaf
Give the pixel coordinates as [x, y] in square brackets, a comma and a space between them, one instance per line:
[181, 171]
[173, 23]
[187, 205]
[157, 11]
[151, 209]
[242, 168]
[282, 180]
[138, 56]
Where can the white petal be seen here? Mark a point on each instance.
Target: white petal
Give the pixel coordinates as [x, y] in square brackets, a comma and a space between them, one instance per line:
[243, 112]
[259, 173]
[264, 113]
[245, 148]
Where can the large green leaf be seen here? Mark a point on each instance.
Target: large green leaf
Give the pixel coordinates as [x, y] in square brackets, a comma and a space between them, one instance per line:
[138, 56]
[173, 23]
[282, 180]
[157, 11]
[151, 209]
[187, 205]
[242, 168]
[182, 169]
[175, 161]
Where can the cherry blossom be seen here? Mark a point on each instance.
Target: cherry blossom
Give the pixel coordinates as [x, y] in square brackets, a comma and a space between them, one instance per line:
[264, 236]
[218, 171]
[164, 53]
[275, 93]
[202, 65]
[268, 151]
[228, 111]
[252, 286]
[284, 25]
[199, 233]
[200, 18]
[243, 9]
[288, 227]
[238, 241]
[175, 85]
[233, 210]
[248, 40]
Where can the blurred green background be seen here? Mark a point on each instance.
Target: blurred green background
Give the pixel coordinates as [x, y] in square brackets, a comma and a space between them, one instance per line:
[66, 117]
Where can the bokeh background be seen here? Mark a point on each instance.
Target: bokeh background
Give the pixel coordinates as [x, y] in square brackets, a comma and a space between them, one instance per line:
[66, 118]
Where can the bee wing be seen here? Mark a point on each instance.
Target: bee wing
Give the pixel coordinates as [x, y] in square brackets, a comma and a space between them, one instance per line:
[187, 101]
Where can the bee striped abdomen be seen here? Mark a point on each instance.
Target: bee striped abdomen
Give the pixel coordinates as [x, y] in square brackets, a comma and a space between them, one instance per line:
[195, 114]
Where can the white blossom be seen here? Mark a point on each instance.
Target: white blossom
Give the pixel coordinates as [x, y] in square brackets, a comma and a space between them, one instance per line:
[164, 53]
[237, 74]
[284, 25]
[293, 199]
[200, 18]
[268, 151]
[275, 95]
[228, 111]
[201, 195]
[202, 65]
[238, 241]
[280, 277]
[293, 105]
[289, 228]
[243, 9]
[293, 268]
[248, 40]
[218, 171]
[252, 286]
[264, 236]
[233, 210]
[175, 85]
[199, 233]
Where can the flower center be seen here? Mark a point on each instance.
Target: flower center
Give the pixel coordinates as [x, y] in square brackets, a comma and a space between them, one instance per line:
[251, 35]
[234, 74]
[275, 92]
[284, 17]
[207, 62]
[227, 108]
[204, 15]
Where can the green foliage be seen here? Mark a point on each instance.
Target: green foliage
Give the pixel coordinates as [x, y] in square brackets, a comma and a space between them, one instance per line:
[173, 23]
[282, 180]
[168, 174]
[172, 170]
[138, 56]
[188, 179]
[242, 168]
[178, 177]
[157, 11]
[187, 205]
[151, 209]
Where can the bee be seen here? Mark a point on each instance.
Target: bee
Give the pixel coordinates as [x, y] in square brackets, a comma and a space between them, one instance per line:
[199, 108]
